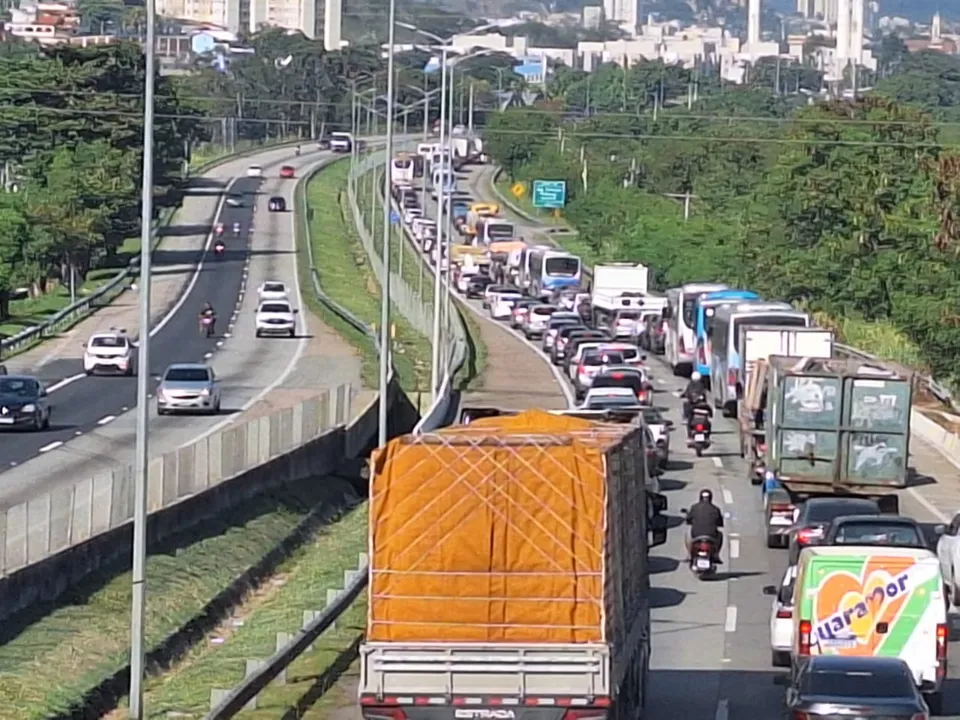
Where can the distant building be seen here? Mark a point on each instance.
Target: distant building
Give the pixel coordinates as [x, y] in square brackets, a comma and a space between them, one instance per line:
[592, 17]
[45, 23]
[245, 15]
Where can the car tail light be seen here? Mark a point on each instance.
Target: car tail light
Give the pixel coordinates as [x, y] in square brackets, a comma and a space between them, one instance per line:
[642, 395]
[943, 635]
[784, 614]
[731, 378]
[384, 713]
[920, 716]
[808, 535]
[585, 714]
[617, 376]
[703, 548]
[781, 507]
[804, 640]
[581, 369]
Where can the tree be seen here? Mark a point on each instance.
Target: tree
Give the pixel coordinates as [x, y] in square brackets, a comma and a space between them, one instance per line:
[516, 136]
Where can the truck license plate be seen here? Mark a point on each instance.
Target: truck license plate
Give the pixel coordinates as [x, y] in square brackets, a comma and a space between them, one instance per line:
[699, 437]
[703, 564]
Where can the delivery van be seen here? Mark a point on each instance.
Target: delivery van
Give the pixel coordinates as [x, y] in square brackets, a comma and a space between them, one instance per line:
[873, 600]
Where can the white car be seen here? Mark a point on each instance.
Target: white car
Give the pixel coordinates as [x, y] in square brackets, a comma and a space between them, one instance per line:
[631, 354]
[501, 304]
[234, 201]
[781, 618]
[604, 398]
[254, 171]
[535, 322]
[578, 355]
[276, 317]
[272, 290]
[948, 550]
[659, 432]
[410, 214]
[109, 352]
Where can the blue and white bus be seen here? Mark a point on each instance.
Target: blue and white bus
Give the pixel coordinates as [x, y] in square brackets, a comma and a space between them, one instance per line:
[681, 316]
[725, 383]
[706, 308]
[548, 269]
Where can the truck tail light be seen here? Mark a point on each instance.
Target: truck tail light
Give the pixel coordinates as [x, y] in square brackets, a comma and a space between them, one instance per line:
[784, 614]
[943, 636]
[805, 630]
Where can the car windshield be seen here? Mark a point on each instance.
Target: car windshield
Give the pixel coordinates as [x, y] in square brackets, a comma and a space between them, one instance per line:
[857, 684]
[690, 311]
[187, 375]
[878, 532]
[274, 287]
[274, 308]
[255, 167]
[825, 512]
[20, 387]
[109, 341]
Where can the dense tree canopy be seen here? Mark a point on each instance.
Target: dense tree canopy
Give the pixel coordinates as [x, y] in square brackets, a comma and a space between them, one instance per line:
[844, 207]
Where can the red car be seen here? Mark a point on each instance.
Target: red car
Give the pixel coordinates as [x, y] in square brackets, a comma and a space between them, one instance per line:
[286, 171]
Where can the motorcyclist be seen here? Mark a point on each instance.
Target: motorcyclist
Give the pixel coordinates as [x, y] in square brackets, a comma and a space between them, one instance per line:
[236, 228]
[694, 390]
[298, 151]
[705, 520]
[208, 313]
[219, 246]
[698, 405]
[219, 229]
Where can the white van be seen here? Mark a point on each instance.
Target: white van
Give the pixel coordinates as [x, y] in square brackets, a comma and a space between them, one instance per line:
[883, 601]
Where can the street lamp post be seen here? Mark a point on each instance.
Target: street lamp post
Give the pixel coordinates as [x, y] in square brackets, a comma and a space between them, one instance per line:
[385, 284]
[141, 463]
[437, 288]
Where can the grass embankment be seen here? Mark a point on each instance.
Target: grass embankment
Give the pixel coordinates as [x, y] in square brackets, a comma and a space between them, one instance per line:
[347, 277]
[49, 665]
[301, 584]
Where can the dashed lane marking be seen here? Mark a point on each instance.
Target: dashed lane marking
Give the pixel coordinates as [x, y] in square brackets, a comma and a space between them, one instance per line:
[105, 420]
[730, 624]
[717, 462]
[723, 707]
[52, 446]
[727, 497]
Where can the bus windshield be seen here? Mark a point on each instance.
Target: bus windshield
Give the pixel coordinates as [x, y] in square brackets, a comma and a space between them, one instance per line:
[566, 266]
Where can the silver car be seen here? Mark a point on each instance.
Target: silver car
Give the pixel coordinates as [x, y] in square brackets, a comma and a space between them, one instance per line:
[188, 387]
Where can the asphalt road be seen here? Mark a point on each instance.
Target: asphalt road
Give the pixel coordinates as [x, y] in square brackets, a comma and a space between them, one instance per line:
[711, 643]
[92, 428]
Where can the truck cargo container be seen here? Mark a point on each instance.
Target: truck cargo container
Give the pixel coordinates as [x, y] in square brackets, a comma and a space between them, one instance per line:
[759, 342]
[832, 427]
[509, 572]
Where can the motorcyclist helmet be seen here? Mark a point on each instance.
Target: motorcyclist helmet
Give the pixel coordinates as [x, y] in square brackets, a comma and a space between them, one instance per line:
[696, 376]
[706, 496]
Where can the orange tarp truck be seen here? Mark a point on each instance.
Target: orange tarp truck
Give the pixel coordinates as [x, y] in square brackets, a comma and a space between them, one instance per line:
[505, 540]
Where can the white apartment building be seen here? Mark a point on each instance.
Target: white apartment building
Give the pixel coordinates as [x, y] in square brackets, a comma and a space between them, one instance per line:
[245, 15]
[625, 13]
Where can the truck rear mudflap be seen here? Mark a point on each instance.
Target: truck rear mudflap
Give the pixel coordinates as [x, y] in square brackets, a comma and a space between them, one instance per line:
[489, 708]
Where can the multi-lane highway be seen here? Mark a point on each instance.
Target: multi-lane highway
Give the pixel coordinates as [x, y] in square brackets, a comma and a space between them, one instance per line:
[711, 652]
[92, 428]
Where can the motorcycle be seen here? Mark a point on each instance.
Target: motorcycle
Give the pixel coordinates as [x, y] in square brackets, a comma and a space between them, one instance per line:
[698, 431]
[702, 562]
[236, 229]
[219, 248]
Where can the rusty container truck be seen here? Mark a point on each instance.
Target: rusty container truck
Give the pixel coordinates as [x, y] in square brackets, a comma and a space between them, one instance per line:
[509, 573]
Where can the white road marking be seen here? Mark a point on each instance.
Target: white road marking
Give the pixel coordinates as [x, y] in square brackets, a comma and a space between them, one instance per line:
[66, 381]
[928, 505]
[219, 343]
[208, 356]
[734, 547]
[124, 408]
[105, 420]
[727, 497]
[730, 625]
[717, 462]
[52, 446]
[723, 707]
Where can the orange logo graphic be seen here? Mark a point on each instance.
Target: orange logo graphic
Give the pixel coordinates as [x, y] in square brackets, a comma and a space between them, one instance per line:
[848, 609]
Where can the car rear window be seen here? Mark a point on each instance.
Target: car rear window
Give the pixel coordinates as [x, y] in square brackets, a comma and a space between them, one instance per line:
[825, 512]
[188, 375]
[878, 532]
[275, 308]
[108, 342]
[623, 380]
[857, 684]
[273, 287]
[607, 358]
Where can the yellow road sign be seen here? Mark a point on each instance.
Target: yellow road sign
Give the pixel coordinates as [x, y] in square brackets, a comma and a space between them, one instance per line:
[519, 190]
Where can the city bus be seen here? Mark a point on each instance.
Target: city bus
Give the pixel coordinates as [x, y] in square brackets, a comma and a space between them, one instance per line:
[681, 316]
[706, 309]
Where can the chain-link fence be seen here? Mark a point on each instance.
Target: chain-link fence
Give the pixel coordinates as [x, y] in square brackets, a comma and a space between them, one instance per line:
[52, 522]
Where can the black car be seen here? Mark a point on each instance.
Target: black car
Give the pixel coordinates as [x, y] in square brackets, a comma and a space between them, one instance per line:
[885, 530]
[564, 336]
[277, 204]
[817, 513]
[476, 285]
[23, 403]
[834, 686]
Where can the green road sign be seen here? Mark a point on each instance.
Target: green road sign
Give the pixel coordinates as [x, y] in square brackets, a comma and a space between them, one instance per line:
[549, 194]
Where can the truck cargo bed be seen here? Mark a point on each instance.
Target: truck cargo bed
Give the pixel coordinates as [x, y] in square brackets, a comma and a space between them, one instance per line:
[448, 669]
